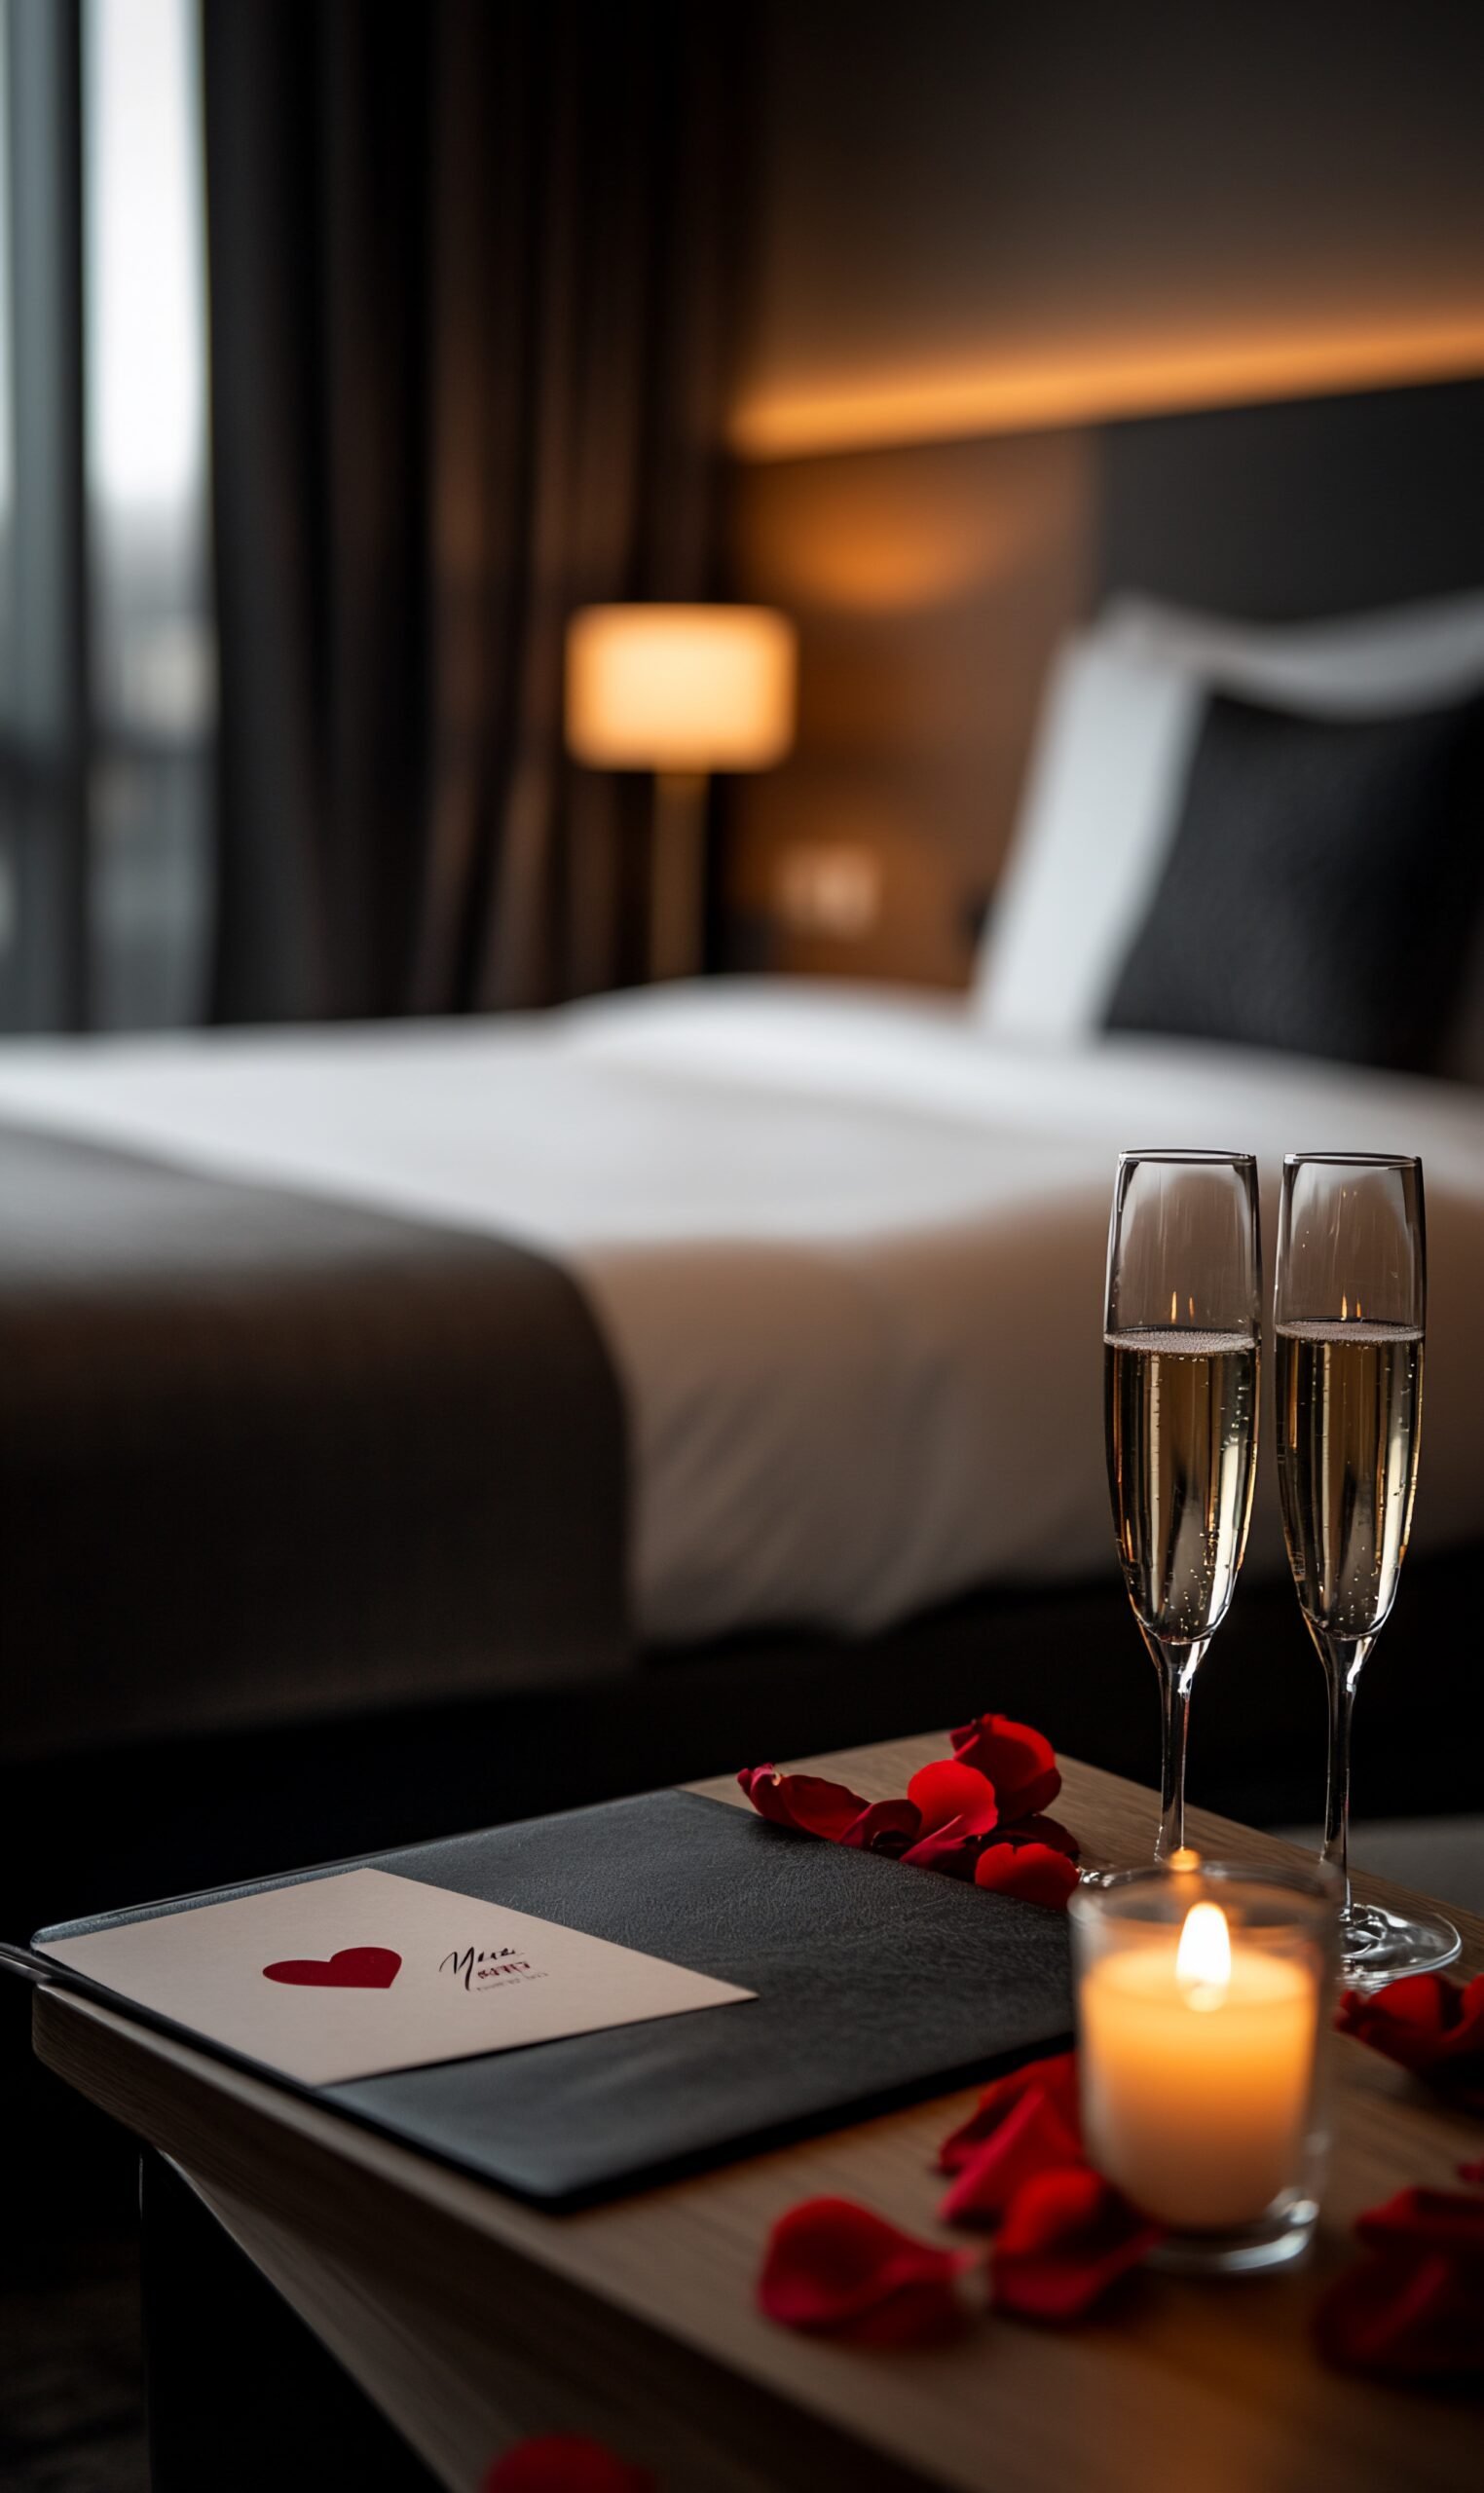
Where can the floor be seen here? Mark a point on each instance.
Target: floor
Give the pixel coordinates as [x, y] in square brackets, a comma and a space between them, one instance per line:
[71, 2380]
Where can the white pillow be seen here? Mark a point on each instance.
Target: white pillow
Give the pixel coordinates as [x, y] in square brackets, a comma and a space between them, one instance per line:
[1113, 748]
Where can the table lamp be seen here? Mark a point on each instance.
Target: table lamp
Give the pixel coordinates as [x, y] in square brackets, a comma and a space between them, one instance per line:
[681, 691]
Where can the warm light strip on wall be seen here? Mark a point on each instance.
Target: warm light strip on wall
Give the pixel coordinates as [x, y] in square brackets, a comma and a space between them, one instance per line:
[1094, 387]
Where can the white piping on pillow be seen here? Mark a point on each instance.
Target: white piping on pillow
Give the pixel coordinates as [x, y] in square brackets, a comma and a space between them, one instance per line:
[1097, 818]
[1406, 657]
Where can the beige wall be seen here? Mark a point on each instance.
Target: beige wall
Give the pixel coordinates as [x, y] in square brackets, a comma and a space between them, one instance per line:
[981, 228]
[974, 212]
[929, 587]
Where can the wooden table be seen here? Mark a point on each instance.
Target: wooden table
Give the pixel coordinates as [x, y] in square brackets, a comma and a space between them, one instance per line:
[471, 2320]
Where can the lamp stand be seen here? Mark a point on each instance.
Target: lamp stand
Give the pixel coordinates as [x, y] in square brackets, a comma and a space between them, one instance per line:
[677, 873]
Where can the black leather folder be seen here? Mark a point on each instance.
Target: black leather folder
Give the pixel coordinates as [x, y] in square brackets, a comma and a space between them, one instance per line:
[877, 1983]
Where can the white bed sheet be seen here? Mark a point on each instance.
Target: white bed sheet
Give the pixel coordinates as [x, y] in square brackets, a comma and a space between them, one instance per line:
[846, 1250]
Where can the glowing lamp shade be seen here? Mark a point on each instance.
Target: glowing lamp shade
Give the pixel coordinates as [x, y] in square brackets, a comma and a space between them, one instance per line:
[680, 688]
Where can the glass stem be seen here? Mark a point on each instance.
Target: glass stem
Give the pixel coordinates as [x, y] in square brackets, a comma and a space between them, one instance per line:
[1343, 1656]
[1176, 1665]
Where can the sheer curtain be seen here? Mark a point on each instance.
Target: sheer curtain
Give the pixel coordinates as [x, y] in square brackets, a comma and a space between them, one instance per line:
[473, 274]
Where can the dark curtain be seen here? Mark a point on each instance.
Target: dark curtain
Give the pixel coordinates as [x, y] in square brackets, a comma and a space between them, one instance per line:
[474, 281]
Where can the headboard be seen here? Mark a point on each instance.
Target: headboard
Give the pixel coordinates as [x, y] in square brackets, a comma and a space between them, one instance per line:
[1315, 507]
[933, 582]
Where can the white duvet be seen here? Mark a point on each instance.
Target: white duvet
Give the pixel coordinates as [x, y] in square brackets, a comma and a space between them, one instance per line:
[846, 1250]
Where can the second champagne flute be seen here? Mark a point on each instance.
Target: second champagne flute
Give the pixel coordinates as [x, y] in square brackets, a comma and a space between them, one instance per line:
[1350, 1312]
[1181, 1330]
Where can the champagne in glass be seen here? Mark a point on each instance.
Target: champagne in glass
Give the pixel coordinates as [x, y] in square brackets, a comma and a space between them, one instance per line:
[1350, 1315]
[1349, 1399]
[1180, 1364]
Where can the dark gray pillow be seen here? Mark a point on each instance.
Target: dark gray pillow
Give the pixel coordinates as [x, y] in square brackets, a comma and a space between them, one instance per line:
[1320, 888]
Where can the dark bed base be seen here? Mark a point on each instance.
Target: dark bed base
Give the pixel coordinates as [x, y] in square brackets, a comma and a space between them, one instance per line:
[86, 1832]
[89, 1831]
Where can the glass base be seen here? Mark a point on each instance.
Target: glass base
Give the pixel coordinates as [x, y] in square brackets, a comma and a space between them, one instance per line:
[1246, 2250]
[1378, 1946]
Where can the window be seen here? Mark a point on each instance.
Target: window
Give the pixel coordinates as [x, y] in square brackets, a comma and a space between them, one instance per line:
[106, 659]
[144, 361]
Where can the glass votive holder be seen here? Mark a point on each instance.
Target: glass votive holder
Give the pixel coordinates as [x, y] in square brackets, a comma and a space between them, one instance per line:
[1203, 2010]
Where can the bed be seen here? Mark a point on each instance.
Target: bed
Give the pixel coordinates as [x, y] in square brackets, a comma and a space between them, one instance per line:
[844, 1251]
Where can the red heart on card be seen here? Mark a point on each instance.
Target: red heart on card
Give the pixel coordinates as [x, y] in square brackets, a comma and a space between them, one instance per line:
[349, 1969]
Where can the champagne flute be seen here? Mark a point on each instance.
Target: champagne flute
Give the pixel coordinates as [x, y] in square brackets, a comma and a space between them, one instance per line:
[1350, 1315]
[1181, 1331]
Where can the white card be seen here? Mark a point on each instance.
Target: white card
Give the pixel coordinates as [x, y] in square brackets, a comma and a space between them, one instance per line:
[361, 1972]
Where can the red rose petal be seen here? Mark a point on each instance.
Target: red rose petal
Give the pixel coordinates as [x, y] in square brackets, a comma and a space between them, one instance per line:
[1031, 1870]
[1056, 2078]
[1428, 2025]
[566, 2463]
[1408, 2317]
[805, 1802]
[947, 1793]
[951, 1851]
[1034, 2137]
[1420, 2219]
[836, 2268]
[1067, 2237]
[1413, 2312]
[1473, 2172]
[1040, 1830]
[956, 1809]
[950, 1809]
[887, 1826]
[1020, 1763]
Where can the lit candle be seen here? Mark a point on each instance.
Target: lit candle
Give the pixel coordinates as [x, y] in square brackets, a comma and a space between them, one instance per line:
[1198, 2030]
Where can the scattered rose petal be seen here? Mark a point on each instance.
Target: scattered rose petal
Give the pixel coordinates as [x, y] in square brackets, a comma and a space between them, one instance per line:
[1421, 2219]
[951, 1851]
[834, 2267]
[1033, 1872]
[805, 1802]
[1041, 1830]
[887, 1826]
[951, 1809]
[1055, 2077]
[1429, 2026]
[1067, 2236]
[566, 2463]
[1408, 2317]
[956, 1805]
[1473, 2172]
[947, 1794]
[1020, 1763]
[1034, 2137]
[1415, 2310]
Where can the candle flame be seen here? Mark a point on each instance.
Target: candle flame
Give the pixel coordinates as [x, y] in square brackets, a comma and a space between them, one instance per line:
[1174, 1306]
[1204, 1960]
[1344, 1308]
